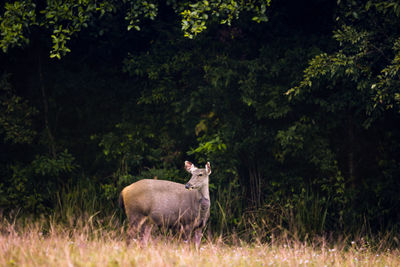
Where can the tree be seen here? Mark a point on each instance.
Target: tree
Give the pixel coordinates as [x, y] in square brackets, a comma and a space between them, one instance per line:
[355, 100]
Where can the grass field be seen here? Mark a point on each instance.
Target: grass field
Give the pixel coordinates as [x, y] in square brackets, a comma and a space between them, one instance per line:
[89, 244]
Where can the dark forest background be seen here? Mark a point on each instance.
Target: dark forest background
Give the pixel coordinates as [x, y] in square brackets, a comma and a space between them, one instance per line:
[294, 103]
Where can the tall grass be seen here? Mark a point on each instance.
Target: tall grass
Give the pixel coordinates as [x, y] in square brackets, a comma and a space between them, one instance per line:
[88, 243]
[81, 232]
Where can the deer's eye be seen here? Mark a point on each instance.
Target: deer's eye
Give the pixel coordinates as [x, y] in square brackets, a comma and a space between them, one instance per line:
[200, 174]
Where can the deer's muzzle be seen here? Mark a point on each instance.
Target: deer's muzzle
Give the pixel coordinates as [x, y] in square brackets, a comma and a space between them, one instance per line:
[189, 186]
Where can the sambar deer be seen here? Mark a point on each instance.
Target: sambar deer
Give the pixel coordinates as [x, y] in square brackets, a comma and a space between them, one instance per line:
[169, 204]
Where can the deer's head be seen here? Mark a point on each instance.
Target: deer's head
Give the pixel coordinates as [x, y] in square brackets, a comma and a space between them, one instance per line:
[199, 177]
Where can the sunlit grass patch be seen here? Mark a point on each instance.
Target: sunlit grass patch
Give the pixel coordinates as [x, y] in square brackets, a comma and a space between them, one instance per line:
[88, 243]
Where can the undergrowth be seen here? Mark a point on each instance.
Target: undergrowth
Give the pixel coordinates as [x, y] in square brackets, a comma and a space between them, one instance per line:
[93, 241]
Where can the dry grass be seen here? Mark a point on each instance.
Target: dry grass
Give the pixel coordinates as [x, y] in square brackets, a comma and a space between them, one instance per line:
[87, 244]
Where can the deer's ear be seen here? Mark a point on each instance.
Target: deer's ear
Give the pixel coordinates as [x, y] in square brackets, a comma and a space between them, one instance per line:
[189, 166]
[208, 168]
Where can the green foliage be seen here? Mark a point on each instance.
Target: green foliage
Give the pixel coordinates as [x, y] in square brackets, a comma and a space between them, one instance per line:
[15, 115]
[386, 90]
[361, 62]
[210, 146]
[138, 10]
[67, 18]
[354, 85]
[195, 17]
[126, 145]
[30, 187]
[15, 23]
[48, 166]
[20, 190]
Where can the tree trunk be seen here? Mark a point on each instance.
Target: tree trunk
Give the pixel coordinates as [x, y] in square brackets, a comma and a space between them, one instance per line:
[51, 140]
[350, 149]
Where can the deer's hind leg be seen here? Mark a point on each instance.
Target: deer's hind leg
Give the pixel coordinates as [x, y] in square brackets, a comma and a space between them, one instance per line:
[139, 227]
[185, 232]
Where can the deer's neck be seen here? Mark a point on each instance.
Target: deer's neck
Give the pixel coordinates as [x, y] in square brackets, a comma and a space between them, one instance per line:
[204, 191]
